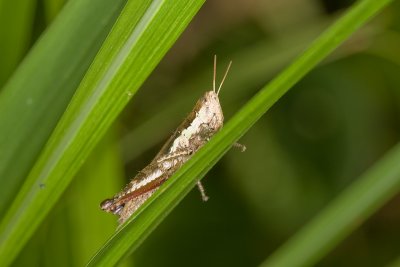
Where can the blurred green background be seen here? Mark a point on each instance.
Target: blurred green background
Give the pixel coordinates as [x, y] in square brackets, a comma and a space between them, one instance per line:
[314, 142]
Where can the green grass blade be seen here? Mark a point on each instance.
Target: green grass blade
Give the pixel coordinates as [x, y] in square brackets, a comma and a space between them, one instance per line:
[52, 8]
[347, 212]
[142, 34]
[139, 226]
[83, 236]
[37, 94]
[16, 20]
[67, 237]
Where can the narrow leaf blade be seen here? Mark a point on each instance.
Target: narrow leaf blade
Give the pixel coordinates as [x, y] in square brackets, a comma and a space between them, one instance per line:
[155, 209]
[36, 96]
[143, 33]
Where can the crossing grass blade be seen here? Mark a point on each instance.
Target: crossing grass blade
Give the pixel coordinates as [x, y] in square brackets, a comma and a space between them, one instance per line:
[143, 33]
[140, 225]
[35, 97]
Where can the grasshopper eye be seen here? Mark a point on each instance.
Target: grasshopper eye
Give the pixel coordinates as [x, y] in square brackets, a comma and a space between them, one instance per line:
[109, 206]
[106, 204]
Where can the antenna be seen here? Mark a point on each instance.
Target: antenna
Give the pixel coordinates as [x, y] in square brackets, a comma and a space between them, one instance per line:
[223, 79]
[215, 75]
